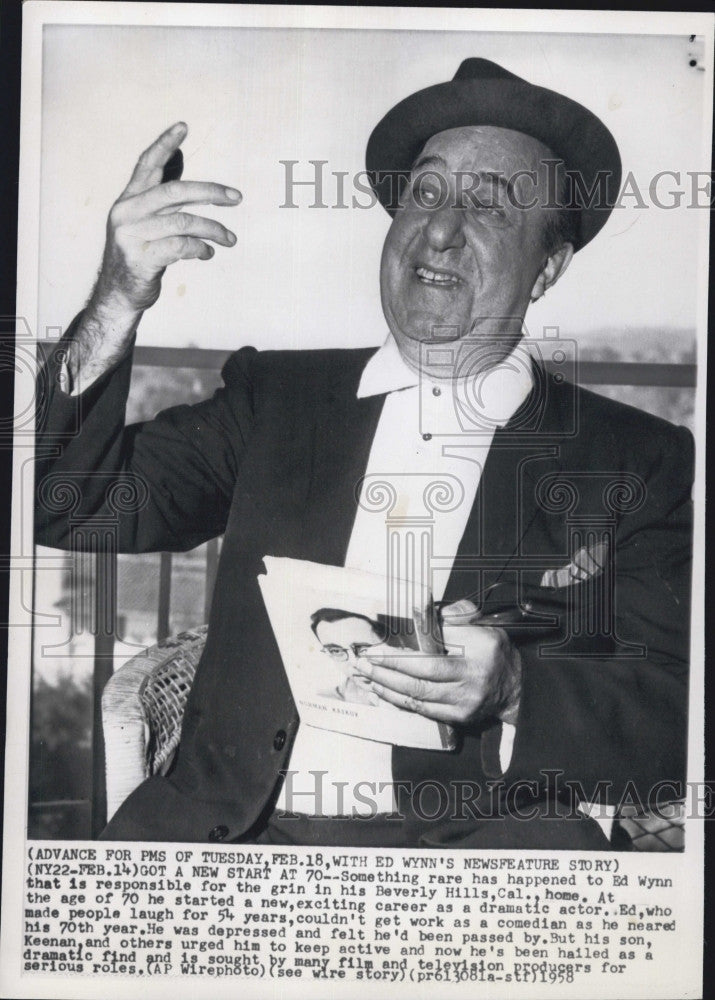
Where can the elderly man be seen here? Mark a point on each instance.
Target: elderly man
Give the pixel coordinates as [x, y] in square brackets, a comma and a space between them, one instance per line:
[281, 461]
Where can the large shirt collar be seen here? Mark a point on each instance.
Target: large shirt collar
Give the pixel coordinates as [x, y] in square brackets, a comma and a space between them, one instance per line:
[501, 389]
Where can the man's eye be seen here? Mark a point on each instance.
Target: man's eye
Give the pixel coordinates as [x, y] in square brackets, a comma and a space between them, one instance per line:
[485, 206]
[426, 193]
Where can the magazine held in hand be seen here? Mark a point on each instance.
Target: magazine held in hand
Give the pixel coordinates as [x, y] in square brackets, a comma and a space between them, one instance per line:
[325, 619]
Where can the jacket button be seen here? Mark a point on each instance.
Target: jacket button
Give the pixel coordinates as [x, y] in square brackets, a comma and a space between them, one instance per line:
[218, 833]
[279, 740]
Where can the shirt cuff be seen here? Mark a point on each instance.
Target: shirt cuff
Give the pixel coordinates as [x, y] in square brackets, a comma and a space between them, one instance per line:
[506, 745]
[497, 742]
[75, 387]
[64, 380]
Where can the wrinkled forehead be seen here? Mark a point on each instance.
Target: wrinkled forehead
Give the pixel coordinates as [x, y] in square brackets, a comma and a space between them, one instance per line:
[486, 147]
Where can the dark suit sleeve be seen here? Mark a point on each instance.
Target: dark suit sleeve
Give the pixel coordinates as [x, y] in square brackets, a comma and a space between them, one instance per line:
[166, 484]
[622, 720]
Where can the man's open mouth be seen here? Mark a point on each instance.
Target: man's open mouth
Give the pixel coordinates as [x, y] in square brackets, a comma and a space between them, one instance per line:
[430, 277]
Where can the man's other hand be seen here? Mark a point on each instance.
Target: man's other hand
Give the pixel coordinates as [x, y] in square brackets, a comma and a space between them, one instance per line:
[147, 231]
[479, 679]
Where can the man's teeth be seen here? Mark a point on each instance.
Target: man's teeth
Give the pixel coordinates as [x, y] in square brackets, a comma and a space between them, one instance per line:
[424, 274]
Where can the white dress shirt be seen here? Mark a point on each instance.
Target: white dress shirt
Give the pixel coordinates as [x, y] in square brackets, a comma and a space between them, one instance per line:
[431, 430]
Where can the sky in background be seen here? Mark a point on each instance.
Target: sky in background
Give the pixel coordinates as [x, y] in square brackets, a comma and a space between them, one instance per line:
[309, 277]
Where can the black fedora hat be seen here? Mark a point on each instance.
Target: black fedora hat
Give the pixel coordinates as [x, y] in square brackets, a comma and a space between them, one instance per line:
[483, 93]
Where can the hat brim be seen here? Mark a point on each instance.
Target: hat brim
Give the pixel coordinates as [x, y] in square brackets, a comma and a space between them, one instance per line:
[569, 130]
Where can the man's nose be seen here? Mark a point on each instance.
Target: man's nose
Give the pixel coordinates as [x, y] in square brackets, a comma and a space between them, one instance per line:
[443, 229]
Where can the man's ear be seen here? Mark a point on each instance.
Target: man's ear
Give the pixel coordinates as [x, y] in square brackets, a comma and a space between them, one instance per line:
[553, 268]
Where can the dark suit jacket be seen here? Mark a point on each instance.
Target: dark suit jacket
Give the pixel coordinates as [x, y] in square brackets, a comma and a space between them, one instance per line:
[273, 460]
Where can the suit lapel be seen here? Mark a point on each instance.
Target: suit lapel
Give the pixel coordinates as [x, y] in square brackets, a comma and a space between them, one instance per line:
[497, 540]
[342, 433]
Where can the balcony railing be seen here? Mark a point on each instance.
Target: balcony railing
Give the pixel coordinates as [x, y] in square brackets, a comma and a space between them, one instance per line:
[589, 372]
[611, 373]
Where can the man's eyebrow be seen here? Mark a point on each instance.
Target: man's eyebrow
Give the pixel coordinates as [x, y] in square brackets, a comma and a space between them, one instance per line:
[507, 183]
[493, 176]
[428, 161]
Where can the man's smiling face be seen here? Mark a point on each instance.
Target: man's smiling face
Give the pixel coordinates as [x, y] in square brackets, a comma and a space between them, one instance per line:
[457, 264]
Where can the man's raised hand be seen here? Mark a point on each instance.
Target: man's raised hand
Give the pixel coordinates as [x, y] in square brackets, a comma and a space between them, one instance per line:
[147, 231]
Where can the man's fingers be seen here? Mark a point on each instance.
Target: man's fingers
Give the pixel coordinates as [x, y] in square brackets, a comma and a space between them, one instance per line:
[477, 642]
[431, 709]
[157, 227]
[462, 612]
[172, 195]
[148, 171]
[437, 668]
[162, 253]
[434, 687]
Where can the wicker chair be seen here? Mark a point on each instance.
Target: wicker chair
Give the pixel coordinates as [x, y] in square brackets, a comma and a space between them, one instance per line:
[142, 708]
[143, 705]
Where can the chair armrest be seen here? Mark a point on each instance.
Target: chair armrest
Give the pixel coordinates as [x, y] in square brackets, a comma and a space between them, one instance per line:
[660, 830]
[142, 710]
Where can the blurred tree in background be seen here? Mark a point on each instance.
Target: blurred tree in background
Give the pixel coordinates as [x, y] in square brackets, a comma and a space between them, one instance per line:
[154, 388]
[60, 756]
